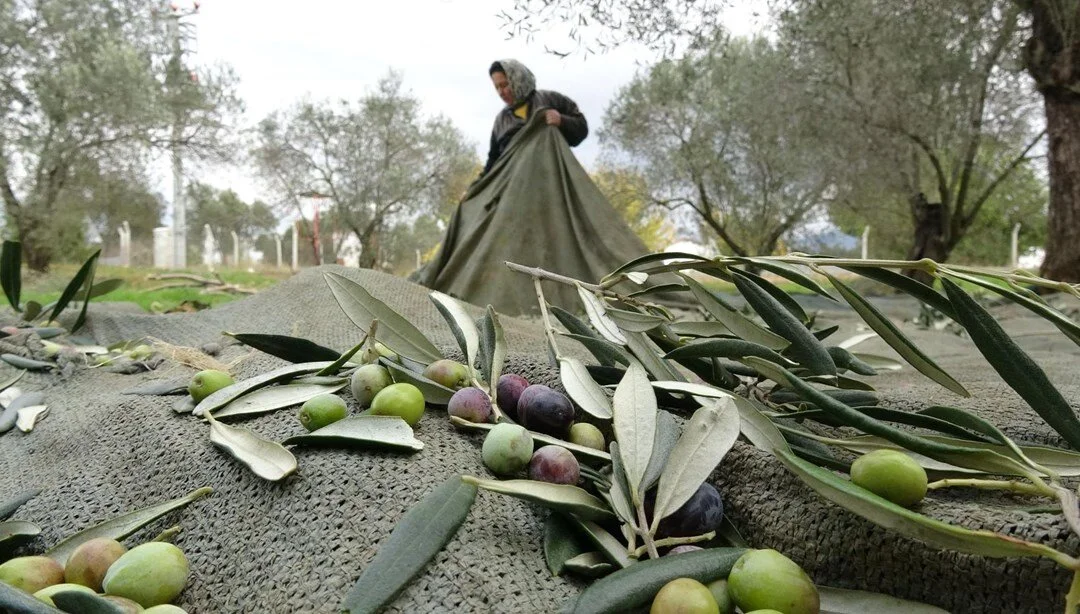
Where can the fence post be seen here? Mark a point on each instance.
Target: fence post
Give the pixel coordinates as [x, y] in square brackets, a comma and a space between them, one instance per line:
[235, 248]
[295, 242]
[277, 242]
[865, 243]
[1015, 253]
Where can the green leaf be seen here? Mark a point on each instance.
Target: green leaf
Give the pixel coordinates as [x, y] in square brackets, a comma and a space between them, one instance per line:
[493, 350]
[655, 257]
[420, 534]
[17, 601]
[1014, 365]
[619, 493]
[725, 348]
[979, 425]
[634, 423]
[691, 388]
[980, 459]
[595, 309]
[122, 526]
[1070, 328]
[82, 602]
[572, 323]
[844, 601]
[805, 347]
[635, 321]
[734, 321]
[561, 497]
[292, 349]
[840, 381]
[896, 339]
[581, 388]
[228, 394]
[7, 508]
[9, 382]
[105, 286]
[710, 328]
[846, 360]
[879, 363]
[789, 273]
[434, 393]
[765, 436]
[275, 397]
[85, 273]
[334, 367]
[606, 542]
[907, 285]
[781, 297]
[605, 352]
[560, 543]
[11, 272]
[636, 585]
[648, 355]
[461, 325]
[660, 289]
[394, 331]
[667, 434]
[706, 439]
[581, 452]
[389, 432]
[590, 565]
[29, 364]
[267, 459]
[17, 532]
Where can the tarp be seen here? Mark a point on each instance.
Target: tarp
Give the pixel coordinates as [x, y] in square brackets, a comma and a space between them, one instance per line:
[537, 207]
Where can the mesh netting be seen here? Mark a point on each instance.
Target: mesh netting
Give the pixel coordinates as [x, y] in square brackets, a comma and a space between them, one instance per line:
[298, 545]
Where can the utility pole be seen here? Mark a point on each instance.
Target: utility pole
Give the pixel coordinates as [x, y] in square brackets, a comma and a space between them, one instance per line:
[176, 74]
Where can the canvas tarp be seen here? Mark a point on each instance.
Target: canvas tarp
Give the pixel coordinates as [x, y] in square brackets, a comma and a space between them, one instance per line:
[537, 207]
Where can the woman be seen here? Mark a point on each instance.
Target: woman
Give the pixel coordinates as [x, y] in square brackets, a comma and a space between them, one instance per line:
[517, 88]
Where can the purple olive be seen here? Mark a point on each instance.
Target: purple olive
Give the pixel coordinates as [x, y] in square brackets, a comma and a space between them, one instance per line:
[507, 391]
[544, 410]
[470, 404]
[554, 464]
[699, 515]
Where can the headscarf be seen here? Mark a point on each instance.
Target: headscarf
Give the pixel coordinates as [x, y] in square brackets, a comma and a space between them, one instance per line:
[522, 82]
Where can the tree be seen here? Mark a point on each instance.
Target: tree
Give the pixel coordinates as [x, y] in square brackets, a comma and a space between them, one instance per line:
[698, 131]
[933, 113]
[629, 194]
[224, 212]
[106, 199]
[82, 80]
[378, 160]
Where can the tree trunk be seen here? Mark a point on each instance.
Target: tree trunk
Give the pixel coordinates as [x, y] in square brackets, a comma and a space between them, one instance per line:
[1062, 260]
[929, 241]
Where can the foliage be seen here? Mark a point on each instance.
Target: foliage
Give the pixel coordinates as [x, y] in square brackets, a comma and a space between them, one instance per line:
[93, 81]
[378, 160]
[628, 193]
[747, 173]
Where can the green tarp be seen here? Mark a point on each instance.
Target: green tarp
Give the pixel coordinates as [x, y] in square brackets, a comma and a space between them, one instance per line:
[537, 207]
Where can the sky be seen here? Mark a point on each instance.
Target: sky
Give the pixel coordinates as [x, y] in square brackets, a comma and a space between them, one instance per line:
[283, 52]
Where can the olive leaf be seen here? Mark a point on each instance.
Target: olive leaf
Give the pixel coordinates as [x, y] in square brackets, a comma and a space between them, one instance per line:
[338, 363]
[706, 439]
[394, 331]
[648, 354]
[845, 601]
[634, 321]
[663, 257]
[606, 542]
[83, 277]
[421, 533]
[273, 398]
[1068, 327]
[26, 363]
[267, 459]
[1014, 365]
[28, 417]
[691, 328]
[619, 493]
[785, 299]
[124, 525]
[11, 272]
[18, 601]
[493, 350]
[581, 452]
[790, 273]
[105, 286]
[725, 348]
[805, 347]
[634, 418]
[667, 434]
[734, 321]
[561, 497]
[434, 393]
[590, 564]
[560, 543]
[369, 431]
[896, 339]
[159, 388]
[594, 308]
[7, 508]
[85, 603]
[461, 325]
[17, 532]
[635, 586]
[660, 289]
[292, 349]
[31, 310]
[582, 389]
[605, 352]
[226, 395]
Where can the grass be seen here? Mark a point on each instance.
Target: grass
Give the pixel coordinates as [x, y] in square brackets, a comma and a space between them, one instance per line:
[139, 289]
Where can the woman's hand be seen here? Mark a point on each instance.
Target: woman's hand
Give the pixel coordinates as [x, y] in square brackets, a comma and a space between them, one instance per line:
[552, 117]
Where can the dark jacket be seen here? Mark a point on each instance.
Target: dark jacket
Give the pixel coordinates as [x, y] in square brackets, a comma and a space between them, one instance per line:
[574, 128]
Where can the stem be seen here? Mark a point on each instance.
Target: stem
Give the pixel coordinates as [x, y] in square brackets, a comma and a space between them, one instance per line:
[544, 313]
[1072, 599]
[1010, 485]
[646, 536]
[676, 541]
[538, 273]
[371, 335]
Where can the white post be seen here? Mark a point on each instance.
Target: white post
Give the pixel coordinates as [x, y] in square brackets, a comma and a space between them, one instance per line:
[1015, 254]
[418, 263]
[125, 246]
[235, 249]
[295, 243]
[865, 243]
[277, 241]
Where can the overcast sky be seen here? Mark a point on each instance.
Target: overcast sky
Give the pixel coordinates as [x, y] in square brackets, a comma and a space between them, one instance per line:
[329, 49]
